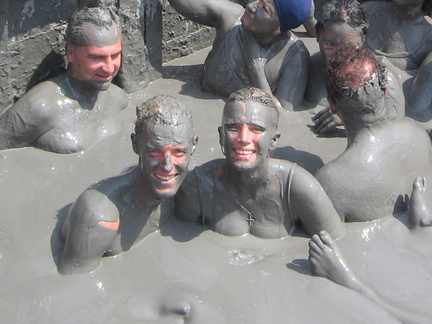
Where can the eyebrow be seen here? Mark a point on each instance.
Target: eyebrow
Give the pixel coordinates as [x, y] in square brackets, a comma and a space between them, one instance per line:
[103, 55]
[254, 124]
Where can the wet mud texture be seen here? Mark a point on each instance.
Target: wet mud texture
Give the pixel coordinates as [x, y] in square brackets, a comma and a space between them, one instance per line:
[185, 273]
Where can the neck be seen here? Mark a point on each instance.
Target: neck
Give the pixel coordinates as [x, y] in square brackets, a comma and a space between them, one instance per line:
[142, 192]
[85, 98]
[268, 39]
[250, 180]
[356, 129]
[78, 87]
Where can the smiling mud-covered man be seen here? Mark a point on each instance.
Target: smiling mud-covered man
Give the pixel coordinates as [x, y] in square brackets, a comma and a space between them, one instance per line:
[114, 214]
[249, 192]
[73, 111]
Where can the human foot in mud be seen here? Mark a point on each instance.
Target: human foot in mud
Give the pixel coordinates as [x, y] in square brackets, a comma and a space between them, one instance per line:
[326, 261]
[420, 213]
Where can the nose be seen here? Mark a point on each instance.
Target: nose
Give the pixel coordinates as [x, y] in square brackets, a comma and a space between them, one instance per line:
[108, 65]
[167, 164]
[244, 135]
[252, 6]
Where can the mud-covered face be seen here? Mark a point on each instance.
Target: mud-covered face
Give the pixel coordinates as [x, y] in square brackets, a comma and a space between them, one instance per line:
[334, 35]
[92, 67]
[248, 133]
[164, 153]
[261, 16]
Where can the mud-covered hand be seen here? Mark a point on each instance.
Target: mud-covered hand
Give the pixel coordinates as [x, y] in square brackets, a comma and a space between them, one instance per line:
[325, 121]
[256, 61]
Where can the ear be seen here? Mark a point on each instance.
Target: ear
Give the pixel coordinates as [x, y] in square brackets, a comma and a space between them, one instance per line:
[134, 143]
[70, 53]
[275, 139]
[194, 143]
[334, 109]
[221, 140]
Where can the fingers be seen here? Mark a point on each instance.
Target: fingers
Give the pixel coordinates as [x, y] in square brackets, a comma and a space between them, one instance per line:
[322, 112]
[325, 121]
[326, 127]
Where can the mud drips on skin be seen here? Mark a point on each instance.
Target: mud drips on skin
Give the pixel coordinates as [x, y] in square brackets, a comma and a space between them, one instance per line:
[184, 272]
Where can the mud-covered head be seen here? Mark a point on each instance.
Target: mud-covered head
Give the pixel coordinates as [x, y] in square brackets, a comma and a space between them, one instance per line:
[164, 140]
[350, 12]
[93, 47]
[356, 84]
[275, 16]
[163, 110]
[93, 26]
[341, 22]
[249, 127]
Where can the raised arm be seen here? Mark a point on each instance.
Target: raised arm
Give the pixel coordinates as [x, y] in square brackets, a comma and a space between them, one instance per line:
[292, 83]
[312, 207]
[221, 14]
[88, 231]
[419, 105]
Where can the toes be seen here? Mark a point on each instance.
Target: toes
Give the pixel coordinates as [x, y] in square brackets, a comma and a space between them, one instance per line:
[316, 239]
[326, 238]
[419, 183]
[313, 247]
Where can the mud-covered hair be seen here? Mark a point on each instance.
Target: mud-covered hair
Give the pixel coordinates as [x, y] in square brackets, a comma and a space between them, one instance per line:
[346, 72]
[162, 110]
[350, 12]
[101, 17]
[256, 95]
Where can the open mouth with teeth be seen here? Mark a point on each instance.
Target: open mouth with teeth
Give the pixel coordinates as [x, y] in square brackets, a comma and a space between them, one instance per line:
[164, 178]
[243, 154]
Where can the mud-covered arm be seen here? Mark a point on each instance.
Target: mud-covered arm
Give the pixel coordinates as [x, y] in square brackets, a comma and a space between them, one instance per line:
[221, 14]
[292, 83]
[88, 231]
[395, 98]
[256, 62]
[312, 207]
[25, 121]
[419, 103]
[257, 74]
[187, 200]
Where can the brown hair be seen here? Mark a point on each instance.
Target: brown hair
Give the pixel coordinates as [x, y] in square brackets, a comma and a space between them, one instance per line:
[162, 110]
[256, 95]
[346, 72]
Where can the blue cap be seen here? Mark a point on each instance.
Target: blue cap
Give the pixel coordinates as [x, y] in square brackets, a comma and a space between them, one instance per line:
[292, 13]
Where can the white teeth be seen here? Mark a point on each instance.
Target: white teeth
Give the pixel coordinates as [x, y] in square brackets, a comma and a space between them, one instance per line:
[164, 178]
[243, 152]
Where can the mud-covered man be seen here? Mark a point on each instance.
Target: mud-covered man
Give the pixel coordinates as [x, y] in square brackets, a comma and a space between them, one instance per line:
[116, 213]
[73, 111]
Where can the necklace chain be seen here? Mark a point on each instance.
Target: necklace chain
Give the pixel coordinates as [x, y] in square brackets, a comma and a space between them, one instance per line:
[249, 218]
